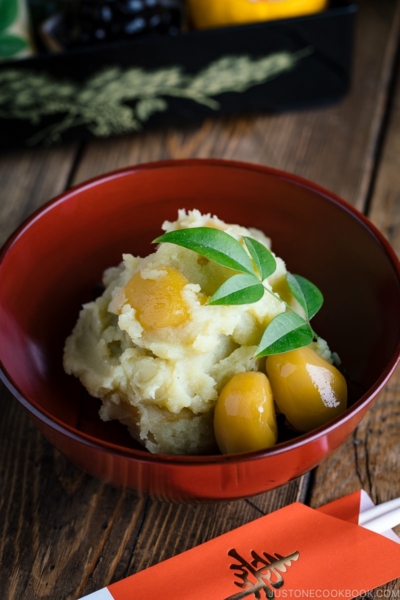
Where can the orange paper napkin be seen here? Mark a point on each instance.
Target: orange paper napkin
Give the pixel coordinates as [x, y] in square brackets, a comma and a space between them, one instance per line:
[293, 552]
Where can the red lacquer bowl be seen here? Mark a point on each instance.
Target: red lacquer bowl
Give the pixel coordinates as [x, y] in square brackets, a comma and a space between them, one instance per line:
[52, 264]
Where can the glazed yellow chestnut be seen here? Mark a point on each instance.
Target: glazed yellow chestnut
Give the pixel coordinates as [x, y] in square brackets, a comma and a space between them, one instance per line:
[158, 302]
[244, 416]
[307, 389]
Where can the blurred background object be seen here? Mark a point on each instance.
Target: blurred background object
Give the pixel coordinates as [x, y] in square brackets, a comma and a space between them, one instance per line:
[15, 38]
[222, 13]
[113, 67]
[84, 22]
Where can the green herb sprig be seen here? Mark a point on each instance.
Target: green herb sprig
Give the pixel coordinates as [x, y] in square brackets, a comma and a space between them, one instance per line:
[288, 330]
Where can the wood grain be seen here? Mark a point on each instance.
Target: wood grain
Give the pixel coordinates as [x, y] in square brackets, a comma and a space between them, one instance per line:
[384, 210]
[370, 459]
[28, 179]
[65, 534]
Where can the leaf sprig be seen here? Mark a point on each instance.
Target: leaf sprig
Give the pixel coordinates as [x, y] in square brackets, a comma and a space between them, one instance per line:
[253, 264]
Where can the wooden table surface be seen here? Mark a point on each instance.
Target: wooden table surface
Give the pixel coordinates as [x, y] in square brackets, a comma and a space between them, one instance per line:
[64, 534]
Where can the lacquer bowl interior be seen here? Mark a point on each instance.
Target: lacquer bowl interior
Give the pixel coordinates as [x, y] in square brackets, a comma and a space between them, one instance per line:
[54, 262]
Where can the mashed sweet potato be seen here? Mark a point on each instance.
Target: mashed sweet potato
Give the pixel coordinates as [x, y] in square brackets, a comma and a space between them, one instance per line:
[158, 374]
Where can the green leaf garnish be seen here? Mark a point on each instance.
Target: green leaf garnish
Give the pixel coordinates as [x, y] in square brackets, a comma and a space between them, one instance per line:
[286, 332]
[212, 243]
[306, 293]
[239, 289]
[263, 258]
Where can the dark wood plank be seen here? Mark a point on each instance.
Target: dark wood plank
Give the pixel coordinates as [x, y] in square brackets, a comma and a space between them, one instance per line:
[28, 180]
[370, 459]
[384, 210]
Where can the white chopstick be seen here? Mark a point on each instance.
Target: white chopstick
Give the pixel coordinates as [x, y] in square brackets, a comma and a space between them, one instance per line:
[382, 517]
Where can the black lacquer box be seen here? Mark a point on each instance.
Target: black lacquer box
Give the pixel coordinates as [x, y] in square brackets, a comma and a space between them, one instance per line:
[151, 82]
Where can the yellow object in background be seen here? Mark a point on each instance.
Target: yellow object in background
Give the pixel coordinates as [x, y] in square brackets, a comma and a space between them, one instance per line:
[219, 13]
